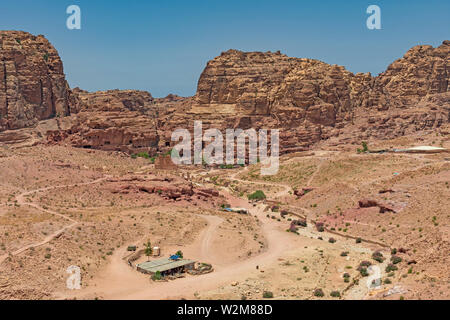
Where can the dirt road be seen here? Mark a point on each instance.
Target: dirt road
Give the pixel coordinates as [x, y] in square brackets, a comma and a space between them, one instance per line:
[22, 201]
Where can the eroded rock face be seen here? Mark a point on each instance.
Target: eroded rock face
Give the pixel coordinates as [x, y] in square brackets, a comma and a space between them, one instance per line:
[291, 90]
[309, 101]
[112, 120]
[422, 71]
[32, 81]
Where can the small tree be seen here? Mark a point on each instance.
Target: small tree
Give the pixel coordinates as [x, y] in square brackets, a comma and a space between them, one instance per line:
[257, 195]
[179, 254]
[148, 250]
[157, 276]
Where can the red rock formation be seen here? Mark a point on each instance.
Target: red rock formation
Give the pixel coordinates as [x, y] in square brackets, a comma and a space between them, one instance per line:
[32, 81]
[308, 100]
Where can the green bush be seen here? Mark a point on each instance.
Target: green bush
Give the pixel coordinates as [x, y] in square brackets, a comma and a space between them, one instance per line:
[391, 267]
[144, 155]
[257, 195]
[396, 259]
[319, 293]
[378, 256]
[364, 272]
[157, 276]
[267, 295]
[364, 149]
[335, 294]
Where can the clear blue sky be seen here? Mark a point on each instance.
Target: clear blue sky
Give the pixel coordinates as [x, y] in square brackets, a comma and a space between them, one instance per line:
[163, 46]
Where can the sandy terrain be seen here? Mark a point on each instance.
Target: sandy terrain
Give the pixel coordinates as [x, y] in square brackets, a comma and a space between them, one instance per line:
[59, 207]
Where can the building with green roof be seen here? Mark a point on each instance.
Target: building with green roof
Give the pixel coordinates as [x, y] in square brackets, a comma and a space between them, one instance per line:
[166, 266]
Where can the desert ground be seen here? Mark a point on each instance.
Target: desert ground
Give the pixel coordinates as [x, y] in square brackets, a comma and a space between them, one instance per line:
[62, 206]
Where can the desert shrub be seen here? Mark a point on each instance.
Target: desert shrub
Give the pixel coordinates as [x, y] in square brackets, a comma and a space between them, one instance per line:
[319, 293]
[394, 251]
[363, 268]
[344, 254]
[157, 276]
[275, 208]
[332, 240]
[378, 256]
[396, 259]
[301, 223]
[143, 155]
[391, 267]
[358, 240]
[363, 271]
[335, 294]
[387, 281]
[267, 295]
[365, 147]
[257, 195]
[365, 264]
[320, 227]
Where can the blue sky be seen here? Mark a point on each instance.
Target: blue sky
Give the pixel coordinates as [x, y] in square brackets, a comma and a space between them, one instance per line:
[163, 46]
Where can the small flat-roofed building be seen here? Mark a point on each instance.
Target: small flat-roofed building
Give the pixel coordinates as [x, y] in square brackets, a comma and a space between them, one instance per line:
[422, 149]
[166, 266]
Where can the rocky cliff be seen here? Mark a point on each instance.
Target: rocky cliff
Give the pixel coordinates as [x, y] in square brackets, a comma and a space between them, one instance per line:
[308, 100]
[32, 81]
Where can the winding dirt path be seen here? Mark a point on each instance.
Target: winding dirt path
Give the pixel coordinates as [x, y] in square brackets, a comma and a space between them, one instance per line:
[119, 281]
[22, 201]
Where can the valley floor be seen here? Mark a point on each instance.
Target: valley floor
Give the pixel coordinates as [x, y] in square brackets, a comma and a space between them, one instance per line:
[61, 206]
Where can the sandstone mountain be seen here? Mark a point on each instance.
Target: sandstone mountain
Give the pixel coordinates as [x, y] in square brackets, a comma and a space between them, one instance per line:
[32, 81]
[308, 100]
